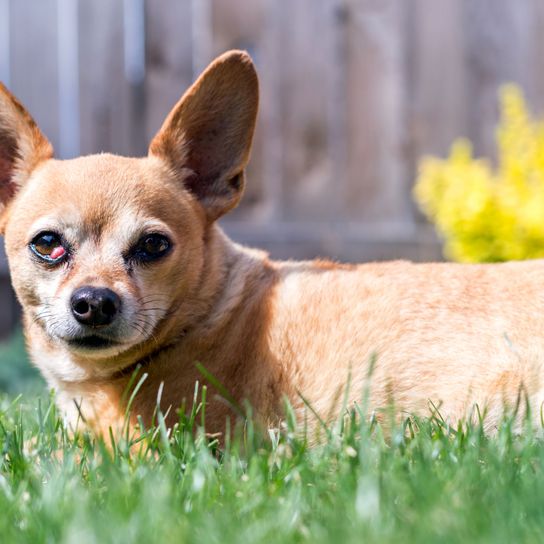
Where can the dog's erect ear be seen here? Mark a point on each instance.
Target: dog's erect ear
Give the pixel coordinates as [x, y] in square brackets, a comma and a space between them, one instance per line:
[22, 147]
[207, 136]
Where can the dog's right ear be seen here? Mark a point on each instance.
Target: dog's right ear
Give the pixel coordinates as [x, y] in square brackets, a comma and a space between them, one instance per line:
[22, 147]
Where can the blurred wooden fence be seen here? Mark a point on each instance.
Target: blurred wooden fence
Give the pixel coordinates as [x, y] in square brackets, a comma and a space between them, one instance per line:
[353, 93]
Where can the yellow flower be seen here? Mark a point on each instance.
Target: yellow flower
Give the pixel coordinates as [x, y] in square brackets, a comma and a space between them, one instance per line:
[486, 214]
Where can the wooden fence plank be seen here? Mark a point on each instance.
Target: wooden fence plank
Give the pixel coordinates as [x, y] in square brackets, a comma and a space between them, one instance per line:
[34, 61]
[169, 59]
[104, 89]
[313, 190]
[497, 51]
[377, 192]
[436, 94]
[535, 58]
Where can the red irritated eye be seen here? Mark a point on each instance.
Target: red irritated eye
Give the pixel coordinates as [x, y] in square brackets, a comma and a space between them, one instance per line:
[49, 247]
[57, 252]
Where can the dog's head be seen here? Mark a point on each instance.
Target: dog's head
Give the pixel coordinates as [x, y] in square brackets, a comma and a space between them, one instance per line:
[102, 248]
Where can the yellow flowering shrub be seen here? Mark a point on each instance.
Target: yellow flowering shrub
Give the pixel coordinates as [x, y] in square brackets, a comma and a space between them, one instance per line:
[485, 213]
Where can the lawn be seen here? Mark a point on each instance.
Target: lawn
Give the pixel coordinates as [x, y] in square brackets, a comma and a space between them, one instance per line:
[423, 482]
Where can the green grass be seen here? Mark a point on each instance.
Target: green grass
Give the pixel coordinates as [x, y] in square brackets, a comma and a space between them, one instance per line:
[424, 482]
[16, 373]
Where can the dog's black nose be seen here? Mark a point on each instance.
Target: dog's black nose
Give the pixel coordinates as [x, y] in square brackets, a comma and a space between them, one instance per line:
[94, 306]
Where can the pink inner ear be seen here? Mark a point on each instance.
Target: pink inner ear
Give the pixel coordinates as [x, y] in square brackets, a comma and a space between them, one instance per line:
[59, 251]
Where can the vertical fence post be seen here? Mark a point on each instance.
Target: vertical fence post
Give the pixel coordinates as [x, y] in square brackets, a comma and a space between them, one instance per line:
[271, 108]
[8, 313]
[68, 77]
[5, 68]
[337, 102]
[134, 42]
[202, 34]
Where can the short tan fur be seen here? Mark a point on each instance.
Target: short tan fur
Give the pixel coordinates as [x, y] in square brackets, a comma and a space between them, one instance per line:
[443, 334]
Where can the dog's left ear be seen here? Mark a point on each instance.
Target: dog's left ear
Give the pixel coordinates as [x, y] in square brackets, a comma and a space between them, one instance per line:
[22, 148]
[207, 136]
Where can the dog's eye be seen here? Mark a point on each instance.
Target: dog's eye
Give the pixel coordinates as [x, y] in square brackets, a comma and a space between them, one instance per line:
[49, 247]
[151, 247]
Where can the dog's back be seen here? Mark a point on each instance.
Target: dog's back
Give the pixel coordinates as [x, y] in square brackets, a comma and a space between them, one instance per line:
[442, 334]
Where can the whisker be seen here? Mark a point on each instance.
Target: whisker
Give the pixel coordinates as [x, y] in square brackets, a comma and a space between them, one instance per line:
[156, 296]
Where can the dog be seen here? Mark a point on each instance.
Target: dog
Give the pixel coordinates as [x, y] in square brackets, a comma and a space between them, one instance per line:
[122, 271]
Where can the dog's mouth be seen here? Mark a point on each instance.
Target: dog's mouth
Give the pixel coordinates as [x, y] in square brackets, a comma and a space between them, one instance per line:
[92, 342]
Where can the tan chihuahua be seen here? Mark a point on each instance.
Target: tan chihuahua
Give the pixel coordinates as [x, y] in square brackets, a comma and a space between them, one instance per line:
[119, 264]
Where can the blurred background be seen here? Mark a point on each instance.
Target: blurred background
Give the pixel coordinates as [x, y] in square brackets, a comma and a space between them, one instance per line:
[353, 93]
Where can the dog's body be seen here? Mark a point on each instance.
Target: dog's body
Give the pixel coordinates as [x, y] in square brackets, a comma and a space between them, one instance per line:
[451, 337]
[119, 264]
